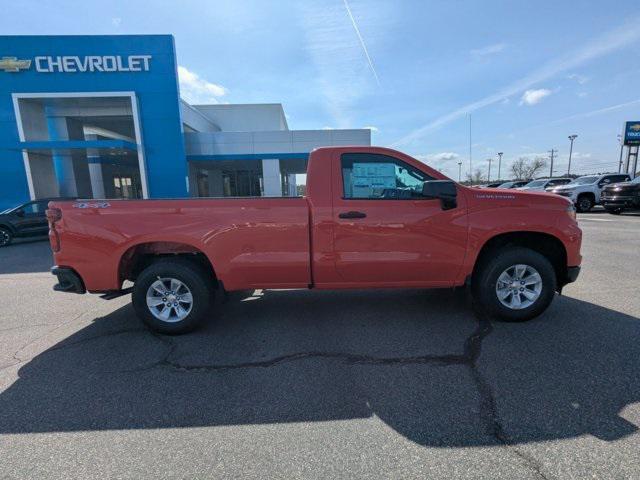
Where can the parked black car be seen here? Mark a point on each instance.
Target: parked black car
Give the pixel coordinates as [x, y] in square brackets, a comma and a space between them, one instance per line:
[26, 220]
[617, 197]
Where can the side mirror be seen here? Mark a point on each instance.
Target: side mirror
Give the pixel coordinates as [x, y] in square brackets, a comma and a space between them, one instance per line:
[444, 190]
[20, 213]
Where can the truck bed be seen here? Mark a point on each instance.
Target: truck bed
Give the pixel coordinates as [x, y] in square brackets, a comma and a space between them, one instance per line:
[253, 242]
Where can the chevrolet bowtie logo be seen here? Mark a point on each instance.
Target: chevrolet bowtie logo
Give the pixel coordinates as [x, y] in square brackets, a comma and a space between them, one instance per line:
[12, 64]
[635, 127]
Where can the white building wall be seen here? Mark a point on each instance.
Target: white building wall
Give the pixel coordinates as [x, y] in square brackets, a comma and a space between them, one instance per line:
[196, 120]
[290, 141]
[245, 117]
[272, 183]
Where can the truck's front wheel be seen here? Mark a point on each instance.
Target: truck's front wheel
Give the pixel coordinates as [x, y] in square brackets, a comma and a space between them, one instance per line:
[172, 296]
[515, 285]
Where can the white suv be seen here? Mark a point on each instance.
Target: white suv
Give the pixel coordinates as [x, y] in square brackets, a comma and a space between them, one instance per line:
[543, 184]
[584, 192]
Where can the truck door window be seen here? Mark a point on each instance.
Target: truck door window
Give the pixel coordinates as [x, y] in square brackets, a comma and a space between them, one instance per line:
[376, 176]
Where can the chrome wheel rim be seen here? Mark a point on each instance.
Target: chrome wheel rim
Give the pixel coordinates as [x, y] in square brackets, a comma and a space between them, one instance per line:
[169, 300]
[519, 286]
[4, 238]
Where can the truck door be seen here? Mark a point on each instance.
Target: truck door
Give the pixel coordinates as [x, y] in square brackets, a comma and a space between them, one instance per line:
[385, 232]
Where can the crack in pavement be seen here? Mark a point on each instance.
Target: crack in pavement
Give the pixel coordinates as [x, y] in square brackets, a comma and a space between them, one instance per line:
[471, 353]
[469, 358]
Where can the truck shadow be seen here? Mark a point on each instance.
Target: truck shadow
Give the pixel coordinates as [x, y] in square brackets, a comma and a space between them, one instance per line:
[419, 361]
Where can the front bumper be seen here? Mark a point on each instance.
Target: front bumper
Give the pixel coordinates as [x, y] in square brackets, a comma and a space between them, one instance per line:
[570, 195]
[620, 201]
[68, 280]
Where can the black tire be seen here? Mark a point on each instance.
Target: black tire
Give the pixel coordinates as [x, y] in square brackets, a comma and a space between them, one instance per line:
[584, 203]
[193, 276]
[614, 211]
[6, 237]
[486, 278]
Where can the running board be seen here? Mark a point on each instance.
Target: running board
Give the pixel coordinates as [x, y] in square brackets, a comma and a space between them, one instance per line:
[116, 293]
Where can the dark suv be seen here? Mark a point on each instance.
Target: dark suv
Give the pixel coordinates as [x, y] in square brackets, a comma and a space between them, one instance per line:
[26, 220]
[621, 196]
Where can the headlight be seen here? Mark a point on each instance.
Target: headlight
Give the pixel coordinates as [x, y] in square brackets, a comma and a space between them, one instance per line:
[571, 211]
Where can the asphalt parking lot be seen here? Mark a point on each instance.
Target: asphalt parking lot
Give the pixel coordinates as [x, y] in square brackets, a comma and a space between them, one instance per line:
[392, 384]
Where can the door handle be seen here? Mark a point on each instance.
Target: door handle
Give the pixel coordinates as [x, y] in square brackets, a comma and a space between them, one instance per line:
[352, 214]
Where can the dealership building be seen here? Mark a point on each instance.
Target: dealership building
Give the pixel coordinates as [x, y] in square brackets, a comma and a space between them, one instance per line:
[102, 117]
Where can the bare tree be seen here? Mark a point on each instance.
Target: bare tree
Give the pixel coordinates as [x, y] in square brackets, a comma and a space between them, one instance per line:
[524, 168]
[477, 177]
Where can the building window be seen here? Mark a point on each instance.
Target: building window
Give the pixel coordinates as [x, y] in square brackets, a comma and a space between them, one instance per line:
[242, 183]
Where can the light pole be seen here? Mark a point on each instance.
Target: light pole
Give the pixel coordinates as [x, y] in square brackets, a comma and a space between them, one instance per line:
[499, 164]
[459, 171]
[621, 149]
[489, 174]
[571, 138]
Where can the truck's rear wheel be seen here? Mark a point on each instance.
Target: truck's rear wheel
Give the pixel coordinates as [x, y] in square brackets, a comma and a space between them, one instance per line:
[515, 285]
[172, 296]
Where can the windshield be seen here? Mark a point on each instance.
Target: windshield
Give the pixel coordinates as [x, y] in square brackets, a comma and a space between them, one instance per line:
[583, 180]
[508, 184]
[536, 183]
[9, 210]
[636, 180]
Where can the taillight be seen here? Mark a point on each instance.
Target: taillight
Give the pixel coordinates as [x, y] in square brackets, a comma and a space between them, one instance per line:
[54, 215]
[571, 211]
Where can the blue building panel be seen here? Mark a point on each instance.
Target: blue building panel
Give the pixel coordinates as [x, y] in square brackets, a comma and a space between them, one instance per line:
[142, 64]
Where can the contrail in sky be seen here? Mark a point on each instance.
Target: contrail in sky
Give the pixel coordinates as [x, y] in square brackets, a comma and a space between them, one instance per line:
[364, 46]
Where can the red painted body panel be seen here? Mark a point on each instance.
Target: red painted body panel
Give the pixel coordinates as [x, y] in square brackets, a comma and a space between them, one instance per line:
[299, 242]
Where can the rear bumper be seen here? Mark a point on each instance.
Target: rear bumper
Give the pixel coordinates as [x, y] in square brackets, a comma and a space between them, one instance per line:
[68, 280]
[572, 274]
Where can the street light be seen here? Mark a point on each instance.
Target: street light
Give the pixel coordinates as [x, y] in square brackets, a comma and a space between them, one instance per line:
[621, 149]
[499, 164]
[489, 174]
[571, 138]
[459, 171]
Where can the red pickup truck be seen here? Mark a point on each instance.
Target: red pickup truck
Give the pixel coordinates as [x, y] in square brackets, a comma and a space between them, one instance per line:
[372, 218]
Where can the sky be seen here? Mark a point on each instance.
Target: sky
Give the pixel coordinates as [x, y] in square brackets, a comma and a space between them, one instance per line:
[522, 75]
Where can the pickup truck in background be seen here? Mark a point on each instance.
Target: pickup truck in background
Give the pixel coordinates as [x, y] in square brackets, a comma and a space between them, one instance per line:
[585, 191]
[372, 218]
[617, 197]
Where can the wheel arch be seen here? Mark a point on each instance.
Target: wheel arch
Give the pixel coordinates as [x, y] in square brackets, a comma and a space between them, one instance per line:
[546, 244]
[8, 227]
[591, 195]
[139, 256]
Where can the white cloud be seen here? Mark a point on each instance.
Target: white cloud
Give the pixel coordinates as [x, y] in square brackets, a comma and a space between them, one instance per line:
[488, 50]
[197, 90]
[116, 21]
[531, 97]
[372, 128]
[581, 79]
[601, 45]
[438, 157]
